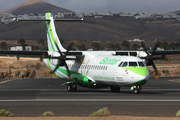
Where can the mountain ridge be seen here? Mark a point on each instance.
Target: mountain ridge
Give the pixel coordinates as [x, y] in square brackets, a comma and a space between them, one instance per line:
[111, 29]
[35, 6]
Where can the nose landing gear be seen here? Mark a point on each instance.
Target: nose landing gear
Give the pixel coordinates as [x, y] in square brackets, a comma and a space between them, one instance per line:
[137, 89]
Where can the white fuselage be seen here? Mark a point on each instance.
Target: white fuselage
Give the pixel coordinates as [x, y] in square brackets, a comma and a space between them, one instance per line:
[102, 67]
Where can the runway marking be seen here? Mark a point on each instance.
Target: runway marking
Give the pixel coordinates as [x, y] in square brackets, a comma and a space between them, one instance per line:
[174, 81]
[6, 81]
[91, 100]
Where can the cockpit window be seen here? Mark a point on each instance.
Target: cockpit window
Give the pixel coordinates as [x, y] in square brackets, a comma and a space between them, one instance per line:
[120, 64]
[133, 64]
[141, 64]
[125, 64]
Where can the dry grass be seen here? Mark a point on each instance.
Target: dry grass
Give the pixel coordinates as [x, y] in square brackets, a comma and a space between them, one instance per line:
[93, 118]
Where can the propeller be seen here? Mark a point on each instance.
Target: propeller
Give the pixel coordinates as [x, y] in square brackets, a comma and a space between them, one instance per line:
[62, 59]
[149, 58]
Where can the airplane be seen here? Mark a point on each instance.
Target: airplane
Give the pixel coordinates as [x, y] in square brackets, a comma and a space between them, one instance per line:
[93, 69]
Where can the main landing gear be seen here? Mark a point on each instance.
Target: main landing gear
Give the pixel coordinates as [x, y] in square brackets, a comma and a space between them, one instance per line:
[137, 89]
[72, 87]
[115, 89]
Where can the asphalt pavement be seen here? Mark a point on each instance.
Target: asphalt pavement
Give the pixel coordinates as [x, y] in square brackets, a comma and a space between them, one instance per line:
[33, 97]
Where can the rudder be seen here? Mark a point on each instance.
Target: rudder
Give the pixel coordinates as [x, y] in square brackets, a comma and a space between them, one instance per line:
[52, 38]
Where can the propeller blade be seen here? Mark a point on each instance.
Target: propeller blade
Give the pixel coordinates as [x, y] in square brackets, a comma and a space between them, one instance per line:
[144, 47]
[69, 74]
[149, 59]
[154, 67]
[57, 66]
[157, 75]
[59, 51]
[155, 47]
[70, 46]
[62, 59]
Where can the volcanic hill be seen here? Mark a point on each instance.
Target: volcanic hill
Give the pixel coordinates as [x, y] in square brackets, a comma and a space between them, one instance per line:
[36, 6]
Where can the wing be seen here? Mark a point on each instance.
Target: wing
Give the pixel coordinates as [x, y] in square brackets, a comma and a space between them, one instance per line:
[35, 54]
[169, 52]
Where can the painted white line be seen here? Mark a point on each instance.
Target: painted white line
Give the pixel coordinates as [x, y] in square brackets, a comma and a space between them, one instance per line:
[91, 100]
[33, 90]
[175, 81]
[6, 81]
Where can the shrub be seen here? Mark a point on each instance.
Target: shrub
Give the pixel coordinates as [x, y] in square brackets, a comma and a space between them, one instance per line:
[178, 114]
[4, 113]
[101, 112]
[48, 113]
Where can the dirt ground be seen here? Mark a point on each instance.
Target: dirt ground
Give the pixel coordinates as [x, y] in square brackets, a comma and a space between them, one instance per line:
[11, 68]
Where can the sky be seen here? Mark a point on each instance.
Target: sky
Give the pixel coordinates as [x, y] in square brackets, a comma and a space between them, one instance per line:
[162, 6]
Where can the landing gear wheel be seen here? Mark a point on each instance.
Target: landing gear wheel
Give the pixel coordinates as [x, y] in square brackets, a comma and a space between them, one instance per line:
[69, 88]
[115, 89]
[74, 87]
[112, 89]
[136, 91]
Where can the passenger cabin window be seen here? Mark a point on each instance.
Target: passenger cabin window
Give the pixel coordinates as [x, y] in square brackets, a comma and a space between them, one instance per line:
[133, 64]
[141, 64]
[125, 64]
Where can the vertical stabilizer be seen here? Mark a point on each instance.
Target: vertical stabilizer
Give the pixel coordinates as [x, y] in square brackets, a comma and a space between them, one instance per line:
[52, 38]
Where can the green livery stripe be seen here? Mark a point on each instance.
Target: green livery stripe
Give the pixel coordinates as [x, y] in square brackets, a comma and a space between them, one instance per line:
[47, 26]
[48, 15]
[138, 70]
[48, 62]
[50, 33]
[49, 65]
[59, 69]
[51, 41]
[80, 77]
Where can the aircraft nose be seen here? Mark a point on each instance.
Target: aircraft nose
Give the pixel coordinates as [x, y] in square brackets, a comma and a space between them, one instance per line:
[145, 74]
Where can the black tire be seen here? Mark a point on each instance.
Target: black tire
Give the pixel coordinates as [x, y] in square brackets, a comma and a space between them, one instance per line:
[74, 87]
[136, 91]
[113, 89]
[69, 88]
[117, 89]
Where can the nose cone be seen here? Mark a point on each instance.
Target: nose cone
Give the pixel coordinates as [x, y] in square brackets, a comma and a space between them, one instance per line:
[139, 75]
[143, 76]
[141, 71]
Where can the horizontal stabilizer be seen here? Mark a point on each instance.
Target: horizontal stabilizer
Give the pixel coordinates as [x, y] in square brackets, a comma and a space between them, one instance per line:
[41, 20]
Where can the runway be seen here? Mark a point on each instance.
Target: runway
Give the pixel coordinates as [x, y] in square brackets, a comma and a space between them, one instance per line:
[33, 97]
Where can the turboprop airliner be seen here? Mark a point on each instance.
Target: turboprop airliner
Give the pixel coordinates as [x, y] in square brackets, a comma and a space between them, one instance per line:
[93, 69]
